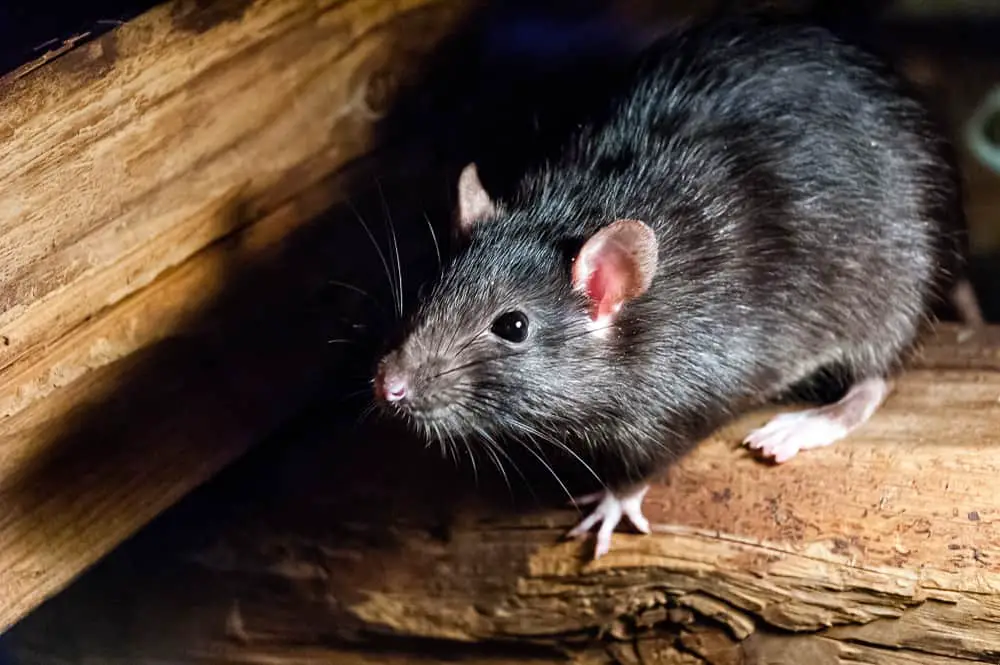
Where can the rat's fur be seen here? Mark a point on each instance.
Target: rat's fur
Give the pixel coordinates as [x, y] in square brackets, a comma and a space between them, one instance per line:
[804, 204]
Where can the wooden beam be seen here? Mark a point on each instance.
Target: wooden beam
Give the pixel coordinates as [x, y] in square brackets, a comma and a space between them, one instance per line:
[151, 179]
[881, 549]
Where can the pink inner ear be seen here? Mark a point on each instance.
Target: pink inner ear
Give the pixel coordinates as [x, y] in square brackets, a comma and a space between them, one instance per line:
[597, 284]
[604, 287]
[616, 264]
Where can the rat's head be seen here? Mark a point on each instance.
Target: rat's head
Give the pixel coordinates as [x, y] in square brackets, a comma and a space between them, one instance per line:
[522, 327]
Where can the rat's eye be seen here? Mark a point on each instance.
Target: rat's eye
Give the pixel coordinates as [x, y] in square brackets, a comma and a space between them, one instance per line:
[512, 326]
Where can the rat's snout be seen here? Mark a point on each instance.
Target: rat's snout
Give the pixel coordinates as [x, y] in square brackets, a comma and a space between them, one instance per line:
[391, 387]
[414, 385]
[391, 382]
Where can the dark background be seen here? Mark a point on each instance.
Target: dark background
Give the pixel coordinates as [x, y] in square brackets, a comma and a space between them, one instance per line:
[27, 26]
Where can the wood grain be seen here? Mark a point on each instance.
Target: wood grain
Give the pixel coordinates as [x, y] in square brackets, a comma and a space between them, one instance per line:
[149, 178]
[882, 549]
[121, 156]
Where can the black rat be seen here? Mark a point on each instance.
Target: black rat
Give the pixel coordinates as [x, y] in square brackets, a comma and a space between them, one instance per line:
[761, 202]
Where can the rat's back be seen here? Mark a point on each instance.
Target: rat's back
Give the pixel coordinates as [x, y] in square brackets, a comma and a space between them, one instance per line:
[803, 200]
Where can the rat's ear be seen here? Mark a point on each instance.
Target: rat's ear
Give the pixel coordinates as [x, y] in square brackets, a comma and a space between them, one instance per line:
[615, 265]
[474, 204]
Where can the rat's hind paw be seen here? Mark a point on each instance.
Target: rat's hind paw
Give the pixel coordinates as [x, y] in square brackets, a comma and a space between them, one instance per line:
[788, 433]
[609, 512]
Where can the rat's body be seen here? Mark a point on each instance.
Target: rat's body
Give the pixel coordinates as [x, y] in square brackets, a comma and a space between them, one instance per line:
[783, 208]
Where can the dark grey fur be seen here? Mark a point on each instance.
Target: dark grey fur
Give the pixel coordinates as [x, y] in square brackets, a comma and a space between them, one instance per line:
[804, 204]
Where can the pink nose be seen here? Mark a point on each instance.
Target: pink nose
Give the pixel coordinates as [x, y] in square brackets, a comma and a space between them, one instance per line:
[392, 387]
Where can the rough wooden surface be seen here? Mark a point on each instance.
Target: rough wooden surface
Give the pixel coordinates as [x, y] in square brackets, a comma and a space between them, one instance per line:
[126, 162]
[882, 549]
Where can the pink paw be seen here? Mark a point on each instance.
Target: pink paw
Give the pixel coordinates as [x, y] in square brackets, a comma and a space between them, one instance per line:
[787, 434]
[609, 512]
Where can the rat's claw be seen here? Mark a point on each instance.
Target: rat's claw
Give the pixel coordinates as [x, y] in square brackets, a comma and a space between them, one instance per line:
[632, 507]
[609, 513]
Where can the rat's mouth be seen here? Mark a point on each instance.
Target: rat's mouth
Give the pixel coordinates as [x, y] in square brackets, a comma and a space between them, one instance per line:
[429, 410]
[440, 417]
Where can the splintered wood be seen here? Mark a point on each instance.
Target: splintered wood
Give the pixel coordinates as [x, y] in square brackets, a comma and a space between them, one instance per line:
[125, 161]
[882, 549]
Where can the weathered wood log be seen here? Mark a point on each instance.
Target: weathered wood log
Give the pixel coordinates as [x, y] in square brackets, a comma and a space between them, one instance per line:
[126, 162]
[882, 549]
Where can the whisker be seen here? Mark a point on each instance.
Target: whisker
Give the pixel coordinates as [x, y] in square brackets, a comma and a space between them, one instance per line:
[430, 434]
[493, 445]
[454, 336]
[535, 433]
[391, 226]
[562, 446]
[342, 341]
[468, 343]
[550, 469]
[358, 290]
[451, 448]
[437, 246]
[517, 469]
[543, 462]
[472, 460]
[365, 413]
[433, 435]
[385, 264]
[354, 393]
[489, 448]
[479, 361]
[442, 441]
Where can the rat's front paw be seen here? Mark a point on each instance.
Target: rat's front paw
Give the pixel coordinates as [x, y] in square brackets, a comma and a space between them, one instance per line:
[608, 512]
